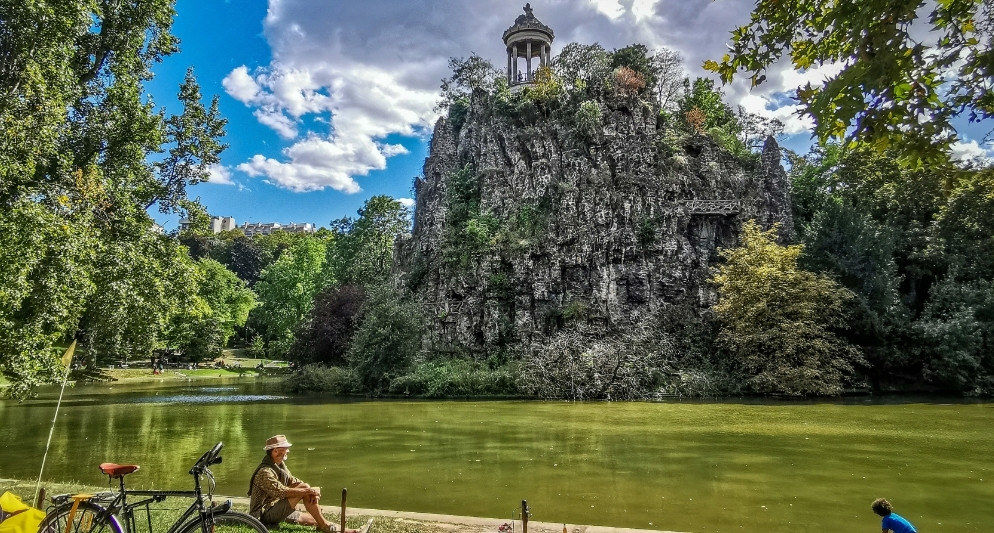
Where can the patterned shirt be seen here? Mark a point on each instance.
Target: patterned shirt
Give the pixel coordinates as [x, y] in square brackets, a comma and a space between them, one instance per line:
[269, 484]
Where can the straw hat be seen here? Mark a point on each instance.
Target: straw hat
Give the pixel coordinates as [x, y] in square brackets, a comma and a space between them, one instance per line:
[277, 441]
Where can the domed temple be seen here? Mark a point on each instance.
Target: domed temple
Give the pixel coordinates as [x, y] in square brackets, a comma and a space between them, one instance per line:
[526, 39]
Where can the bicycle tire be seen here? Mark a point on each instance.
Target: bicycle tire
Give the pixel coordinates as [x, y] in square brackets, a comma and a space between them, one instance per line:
[229, 522]
[89, 518]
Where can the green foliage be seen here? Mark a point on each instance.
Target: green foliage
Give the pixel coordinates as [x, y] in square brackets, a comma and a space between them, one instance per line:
[858, 252]
[964, 227]
[715, 113]
[245, 256]
[327, 333]
[335, 381]
[894, 89]
[811, 182]
[286, 291]
[47, 257]
[480, 234]
[468, 74]
[451, 378]
[361, 252]
[458, 112]
[778, 320]
[583, 68]
[467, 232]
[589, 120]
[729, 142]
[647, 231]
[957, 333]
[141, 285]
[575, 311]
[637, 58]
[546, 89]
[79, 138]
[193, 147]
[387, 341]
[222, 302]
[257, 348]
[580, 363]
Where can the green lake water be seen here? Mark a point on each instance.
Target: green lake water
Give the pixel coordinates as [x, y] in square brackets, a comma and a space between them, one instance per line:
[729, 466]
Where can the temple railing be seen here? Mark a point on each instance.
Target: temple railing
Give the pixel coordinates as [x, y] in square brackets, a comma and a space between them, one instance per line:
[711, 207]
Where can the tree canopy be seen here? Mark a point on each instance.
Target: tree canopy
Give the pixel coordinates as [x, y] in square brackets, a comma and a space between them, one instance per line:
[907, 70]
[778, 319]
[84, 152]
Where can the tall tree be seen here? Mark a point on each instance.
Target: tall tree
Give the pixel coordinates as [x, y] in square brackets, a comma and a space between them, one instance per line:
[286, 291]
[78, 138]
[894, 88]
[141, 285]
[778, 320]
[327, 333]
[362, 250]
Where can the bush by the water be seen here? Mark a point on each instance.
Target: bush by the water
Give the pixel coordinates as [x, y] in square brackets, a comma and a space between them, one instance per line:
[333, 380]
[456, 377]
[581, 363]
[430, 379]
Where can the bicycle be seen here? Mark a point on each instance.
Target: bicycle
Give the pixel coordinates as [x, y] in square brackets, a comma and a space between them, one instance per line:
[110, 512]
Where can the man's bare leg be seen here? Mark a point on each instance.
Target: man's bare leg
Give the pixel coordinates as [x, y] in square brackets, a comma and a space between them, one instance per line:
[313, 516]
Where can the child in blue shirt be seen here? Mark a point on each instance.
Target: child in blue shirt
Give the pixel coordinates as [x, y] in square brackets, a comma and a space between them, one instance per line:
[892, 521]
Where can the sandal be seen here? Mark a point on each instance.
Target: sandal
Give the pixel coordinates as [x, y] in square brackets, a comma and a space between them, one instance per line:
[327, 528]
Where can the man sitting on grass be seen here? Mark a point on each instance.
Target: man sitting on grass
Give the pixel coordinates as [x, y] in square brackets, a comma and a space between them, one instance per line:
[274, 492]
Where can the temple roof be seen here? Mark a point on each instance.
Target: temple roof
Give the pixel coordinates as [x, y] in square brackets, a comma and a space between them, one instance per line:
[528, 22]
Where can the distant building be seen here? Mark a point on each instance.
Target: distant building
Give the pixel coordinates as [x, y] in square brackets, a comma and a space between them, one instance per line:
[266, 228]
[218, 224]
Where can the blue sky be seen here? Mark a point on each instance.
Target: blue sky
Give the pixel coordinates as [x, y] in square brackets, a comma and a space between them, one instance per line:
[330, 102]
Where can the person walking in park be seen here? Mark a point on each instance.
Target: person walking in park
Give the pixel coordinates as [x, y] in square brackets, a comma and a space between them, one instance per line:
[274, 492]
[891, 520]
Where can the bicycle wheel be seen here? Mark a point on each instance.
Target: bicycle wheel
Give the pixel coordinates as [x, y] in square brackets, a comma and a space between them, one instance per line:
[88, 518]
[230, 522]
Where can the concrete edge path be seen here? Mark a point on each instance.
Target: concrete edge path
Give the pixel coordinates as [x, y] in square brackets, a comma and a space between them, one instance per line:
[475, 522]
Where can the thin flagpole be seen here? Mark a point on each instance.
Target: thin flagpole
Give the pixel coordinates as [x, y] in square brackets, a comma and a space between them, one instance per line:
[66, 360]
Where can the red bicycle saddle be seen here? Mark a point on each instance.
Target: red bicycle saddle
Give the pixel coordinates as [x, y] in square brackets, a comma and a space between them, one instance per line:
[116, 470]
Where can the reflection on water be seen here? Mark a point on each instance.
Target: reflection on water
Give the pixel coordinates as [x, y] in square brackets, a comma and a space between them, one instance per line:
[727, 466]
[197, 398]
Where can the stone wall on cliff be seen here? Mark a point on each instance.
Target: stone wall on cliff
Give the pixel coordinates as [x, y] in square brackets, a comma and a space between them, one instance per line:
[623, 222]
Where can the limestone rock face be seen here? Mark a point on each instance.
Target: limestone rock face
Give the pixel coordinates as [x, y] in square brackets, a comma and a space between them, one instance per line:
[606, 226]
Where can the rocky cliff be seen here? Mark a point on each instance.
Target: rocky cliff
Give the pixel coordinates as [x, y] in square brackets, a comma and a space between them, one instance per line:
[525, 221]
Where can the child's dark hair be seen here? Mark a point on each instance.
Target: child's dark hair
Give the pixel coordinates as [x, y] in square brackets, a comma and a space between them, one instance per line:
[881, 506]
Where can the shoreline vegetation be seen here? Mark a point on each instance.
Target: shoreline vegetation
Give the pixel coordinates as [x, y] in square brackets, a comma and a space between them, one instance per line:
[385, 521]
[455, 378]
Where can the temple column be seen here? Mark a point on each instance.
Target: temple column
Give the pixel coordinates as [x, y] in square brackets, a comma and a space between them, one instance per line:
[515, 75]
[510, 73]
[529, 60]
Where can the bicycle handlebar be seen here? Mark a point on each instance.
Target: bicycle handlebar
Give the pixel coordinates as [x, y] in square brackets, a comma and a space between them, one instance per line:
[211, 457]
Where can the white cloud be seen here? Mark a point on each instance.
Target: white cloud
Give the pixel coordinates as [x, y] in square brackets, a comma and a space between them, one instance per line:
[611, 9]
[240, 85]
[277, 121]
[316, 163]
[220, 175]
[643, 9]
[346, 81]
[406, 202]
[972, 151]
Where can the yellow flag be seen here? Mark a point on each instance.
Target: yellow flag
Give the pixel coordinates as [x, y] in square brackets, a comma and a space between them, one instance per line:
[67, 357]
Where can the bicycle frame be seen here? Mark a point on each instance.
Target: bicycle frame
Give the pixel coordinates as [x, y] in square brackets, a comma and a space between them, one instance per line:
[119, 506]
